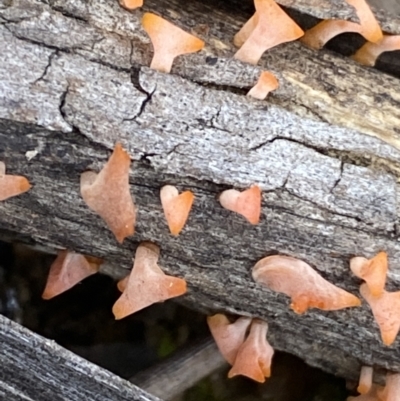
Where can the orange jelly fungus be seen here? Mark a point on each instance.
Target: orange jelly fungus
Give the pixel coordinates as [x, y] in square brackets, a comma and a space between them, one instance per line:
[168, 41]
[67, 270]
[372, 271]
[365, 382]
[266, 83]
[302, 283]
[368, 27]
[246, 203]
[268, 27]
[228, 336]
[254, 356]
[11, 185]
[108, 194]
[369, 53]
[147, 283]
[176, 207]
[386, 311]
[131, 4]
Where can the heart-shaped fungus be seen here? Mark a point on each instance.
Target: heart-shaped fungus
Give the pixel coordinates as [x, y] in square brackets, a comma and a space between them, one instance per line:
[147, 283]
[176, 207]
[68, 269]
[268, 27]
[386, 311]
[365, 382]
[266, 83]
[11, 185]
[169, 41]
[372, 271]
[369, 53]
[131, 4]
[323, 32]
[254, 356]
[228, 336]
[108, 194]
[246, 203]
[302, 283]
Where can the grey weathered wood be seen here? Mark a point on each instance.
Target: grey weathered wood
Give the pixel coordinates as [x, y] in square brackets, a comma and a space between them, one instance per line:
[324, 149]
[36, 369]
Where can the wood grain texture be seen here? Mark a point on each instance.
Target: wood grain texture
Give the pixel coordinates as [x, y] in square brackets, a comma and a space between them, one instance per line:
[36, 369]
[324, 149]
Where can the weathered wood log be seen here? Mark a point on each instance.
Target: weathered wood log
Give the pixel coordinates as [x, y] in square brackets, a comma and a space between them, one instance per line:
[37, 369]
[324, 149]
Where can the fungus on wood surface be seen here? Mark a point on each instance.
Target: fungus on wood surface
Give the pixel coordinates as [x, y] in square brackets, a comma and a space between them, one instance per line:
[246, 203]
[372, 271]
[254, 356]
[372, 395]
[266, 83]
[131, 4]
[168, 41]
[386, 311]
[228, 336]
[68, 269]
[302, 283]
[369, 53]
[147, 283]
[368, 27]
[391, 391]
[176, 207]
[12, 185]
[268, 27]
[108, 194]
[365, 382]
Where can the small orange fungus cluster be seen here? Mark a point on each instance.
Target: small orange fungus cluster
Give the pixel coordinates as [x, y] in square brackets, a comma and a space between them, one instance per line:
[385, 305]
[169, 41]
[368, 27]
[248, 352]
[11, 185]
[107, 193]
[67, 270]
[246, 203]
[266, 83]
[302, 283]
[146, 284]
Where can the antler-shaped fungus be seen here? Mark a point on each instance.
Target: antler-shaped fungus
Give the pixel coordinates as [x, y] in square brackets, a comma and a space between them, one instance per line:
[147, 283]
[266, 83]
[302, 283]
[11, 185]
[386, 311]
[372, 271]
[228, 336]
[268, 27]
[176, 207]
[68, 269]
[169, 41]
[254, 356]
[369, 53]
[323, 32]
[131, 4]
[246, 203]
[107, 193]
